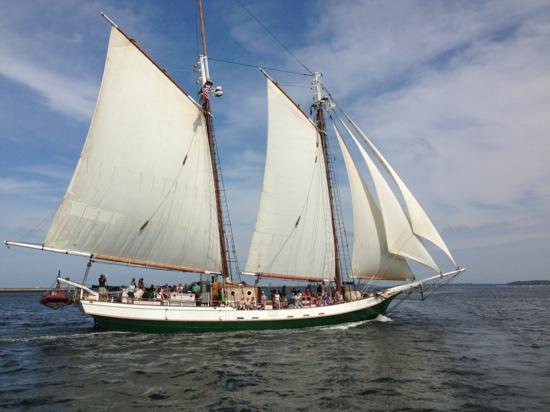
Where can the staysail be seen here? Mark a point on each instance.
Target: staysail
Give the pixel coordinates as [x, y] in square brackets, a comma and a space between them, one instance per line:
[371, 258]
[420, 222]
[293, 236]
[143, 189]
[399, 235]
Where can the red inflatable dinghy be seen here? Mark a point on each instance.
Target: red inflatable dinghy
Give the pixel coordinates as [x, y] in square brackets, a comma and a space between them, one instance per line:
[56, 300]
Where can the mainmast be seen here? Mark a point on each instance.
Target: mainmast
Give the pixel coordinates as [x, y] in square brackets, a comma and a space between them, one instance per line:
[205, 86]
[319, 102]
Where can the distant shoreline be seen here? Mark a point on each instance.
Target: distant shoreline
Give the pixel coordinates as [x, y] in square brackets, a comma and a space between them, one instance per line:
[529, 283]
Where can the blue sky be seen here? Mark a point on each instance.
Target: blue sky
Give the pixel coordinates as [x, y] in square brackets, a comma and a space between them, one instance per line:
[456, 95]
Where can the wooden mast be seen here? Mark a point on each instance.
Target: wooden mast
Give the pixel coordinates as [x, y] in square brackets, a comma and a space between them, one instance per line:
[319, 102]
[206, 84]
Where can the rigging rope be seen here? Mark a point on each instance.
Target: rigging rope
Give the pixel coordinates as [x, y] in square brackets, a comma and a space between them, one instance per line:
[263, 26]
[39, 227]
[258, 67]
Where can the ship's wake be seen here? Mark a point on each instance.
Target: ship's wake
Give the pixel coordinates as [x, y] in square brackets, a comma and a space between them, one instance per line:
[346, 326]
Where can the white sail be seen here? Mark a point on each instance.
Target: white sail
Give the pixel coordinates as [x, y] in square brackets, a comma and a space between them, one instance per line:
[293, 234]
[420, 222]
[400, 238]
[143, 189]
[370, 259]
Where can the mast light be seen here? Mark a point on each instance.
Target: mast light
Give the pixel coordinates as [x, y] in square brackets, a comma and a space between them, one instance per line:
[218, 91]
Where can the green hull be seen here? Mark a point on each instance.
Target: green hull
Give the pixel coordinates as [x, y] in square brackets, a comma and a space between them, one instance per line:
[102, 322]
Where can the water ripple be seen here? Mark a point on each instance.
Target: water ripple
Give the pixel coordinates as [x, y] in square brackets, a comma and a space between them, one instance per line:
[463, 349]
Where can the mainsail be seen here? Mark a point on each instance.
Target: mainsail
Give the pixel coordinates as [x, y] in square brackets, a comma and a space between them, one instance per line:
[371, 258]
[293, 235]
[420, 222]
[143, 190]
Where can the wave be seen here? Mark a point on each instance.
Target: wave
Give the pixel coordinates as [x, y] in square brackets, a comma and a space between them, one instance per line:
[62, 336]
[346, 326]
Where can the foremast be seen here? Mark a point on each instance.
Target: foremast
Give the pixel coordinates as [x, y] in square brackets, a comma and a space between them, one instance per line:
[319, 103]
[204, 91]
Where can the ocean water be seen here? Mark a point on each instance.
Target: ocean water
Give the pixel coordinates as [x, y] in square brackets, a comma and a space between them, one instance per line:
[466, 348]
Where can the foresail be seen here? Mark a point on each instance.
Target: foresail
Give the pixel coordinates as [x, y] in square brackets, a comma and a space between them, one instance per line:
[420, 222]
[143, 189]
[370, 259]
[400, 238]
[293, 233]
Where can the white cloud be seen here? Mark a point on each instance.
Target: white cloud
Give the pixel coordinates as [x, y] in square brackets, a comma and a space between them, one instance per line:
[57, 61]
[457, 95]
[47, 170]
[16, 186]
[74, 97]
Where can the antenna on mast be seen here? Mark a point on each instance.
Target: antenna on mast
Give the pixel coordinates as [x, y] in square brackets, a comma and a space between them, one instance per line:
[319, 99]
[316, 85]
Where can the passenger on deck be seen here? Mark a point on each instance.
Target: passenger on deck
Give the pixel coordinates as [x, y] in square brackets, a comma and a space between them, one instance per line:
[131, 290]
[103, 293]
[263, 299]
[298, 300]
[326, 301]
[276, 300]
[149, 293]
[141, 284]
[138, 294]
[284, 298]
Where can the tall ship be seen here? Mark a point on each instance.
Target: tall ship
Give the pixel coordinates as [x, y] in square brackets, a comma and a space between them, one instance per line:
[148, 192]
